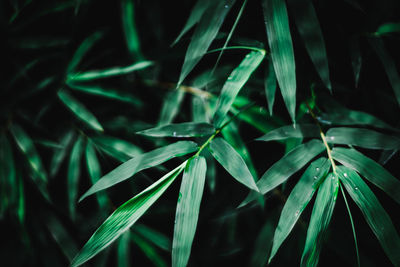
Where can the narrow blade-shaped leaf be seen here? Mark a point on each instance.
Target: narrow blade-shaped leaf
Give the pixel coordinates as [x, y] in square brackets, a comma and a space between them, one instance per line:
[270, 86]
[74, 172]
[290, 131]
[141, 162]
[124, 217]
[280, 43]
[129, 27]
[320, 218]
[8, 178]
[187, 210]
[171, 106]
[387, 28]
[369, 169]
[199, 113]
[310, 31]
[149, 250]
[117, 148]
[27, 147]
[59, 154]
[194, 17]
[234, 84]
[376, 216]
[356, 58]
[157, 238]
[79, 110]
[185, 129]
[389, 65]
[204, 34]
[233, 163]
[362, 137]
[298, 200]
[123, 253]
[110, 72]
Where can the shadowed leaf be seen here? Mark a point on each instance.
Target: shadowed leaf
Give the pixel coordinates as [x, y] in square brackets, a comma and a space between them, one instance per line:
[171, 106]
[129, 27]
[290, 131]
[186, 129]
[270, 86]
[74, 172]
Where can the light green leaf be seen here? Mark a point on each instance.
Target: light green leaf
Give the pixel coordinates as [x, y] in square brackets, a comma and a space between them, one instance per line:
[110, 72]
[185, 129]
[94, 170]
[187, 210]
[310, 31]
[320, 218]
[117, 148]
[79, 110]
[361, 137]
[270, 86]
[233, 163]
[59, 154]
[207, 29]
[234, 84]
[298, 200]
[290, 131]
[149, 250]
[199, 112]
[369, 169]
[389, 65]
[171, 106]
[376, 216]
[194, 17]
[280, 43]
[74, 172]
[124, 217]
[155, 237]
[387, 28]
[129, 27]
[141, 162]
[82, 50]
[27, 147]
[123, 253]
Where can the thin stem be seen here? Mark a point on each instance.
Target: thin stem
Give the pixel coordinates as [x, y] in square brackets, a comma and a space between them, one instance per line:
[352, 225]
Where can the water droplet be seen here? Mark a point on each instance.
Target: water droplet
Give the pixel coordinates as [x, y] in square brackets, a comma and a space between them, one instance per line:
[315, 177]
[356, 188]
[332, 137]
[317, 169]
[345, 174]
[229, 78]
[333, 177]
[174, 134]
[247, 55]
[226, 6]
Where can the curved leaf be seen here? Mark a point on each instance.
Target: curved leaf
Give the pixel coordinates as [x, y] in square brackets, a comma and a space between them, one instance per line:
[74, 171]
[187, 210]
[60, 154]
[290, 131]
[376, 216]
[233, 163]
[186, 129]
[129, 27]
[391, 27]
[124, 217]
[117, 148]
[139, 163]
[171, 106]
[270, 86]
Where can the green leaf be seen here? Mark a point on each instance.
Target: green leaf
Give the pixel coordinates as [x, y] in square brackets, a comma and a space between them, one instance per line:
[107, 73]
[387, 28]
[280, 43]
[8, 178]
[389, 65]
[82, 50]
[258, 118]
[356, 58]
[124, 217]
[74, 172]
[310, 31]
[194, 17]
[129, 27]
[117, 148]
[298, 200]
[157, 238]
[123, 253]
[60, 154]
[94, 170]
[370, 169]
[79, 110]
[149, 250]
[199, 112]
[320, 218]
[376, 216]
[234, 84]
[270, 86]
[27, 147]
[186, 129]
[141, 162]
[290, 131]
[207, 29]
[171, 106]
[361, 137]
[233, 163]
[187, 210]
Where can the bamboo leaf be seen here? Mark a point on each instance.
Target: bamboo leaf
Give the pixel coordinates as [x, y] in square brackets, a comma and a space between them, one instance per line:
[74, 172]
[194, 17]
[234, 84]
[59, 154]
[8, 181]
[387, 28]
[320, 218]
[206, 30]
[79, 110]
[124, 217]
[187, 210]
[362, 137]
[310, 31]
[369, 169]
[376, 216]
[199, 113]
[356, 58]
[149, 250]
[290, 131]
[233, 163]
[123, 253]
[171, 106]
[298, 200]
[129, 27]
[270, 86]
[157, 238]
[27, 147]
[139, 163]
[117, 148]
[280, 43]
[389, 65]
[186, 129]
[107, 73]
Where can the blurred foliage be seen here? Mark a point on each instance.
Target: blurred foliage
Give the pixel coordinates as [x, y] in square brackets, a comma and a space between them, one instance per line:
[158, 133]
